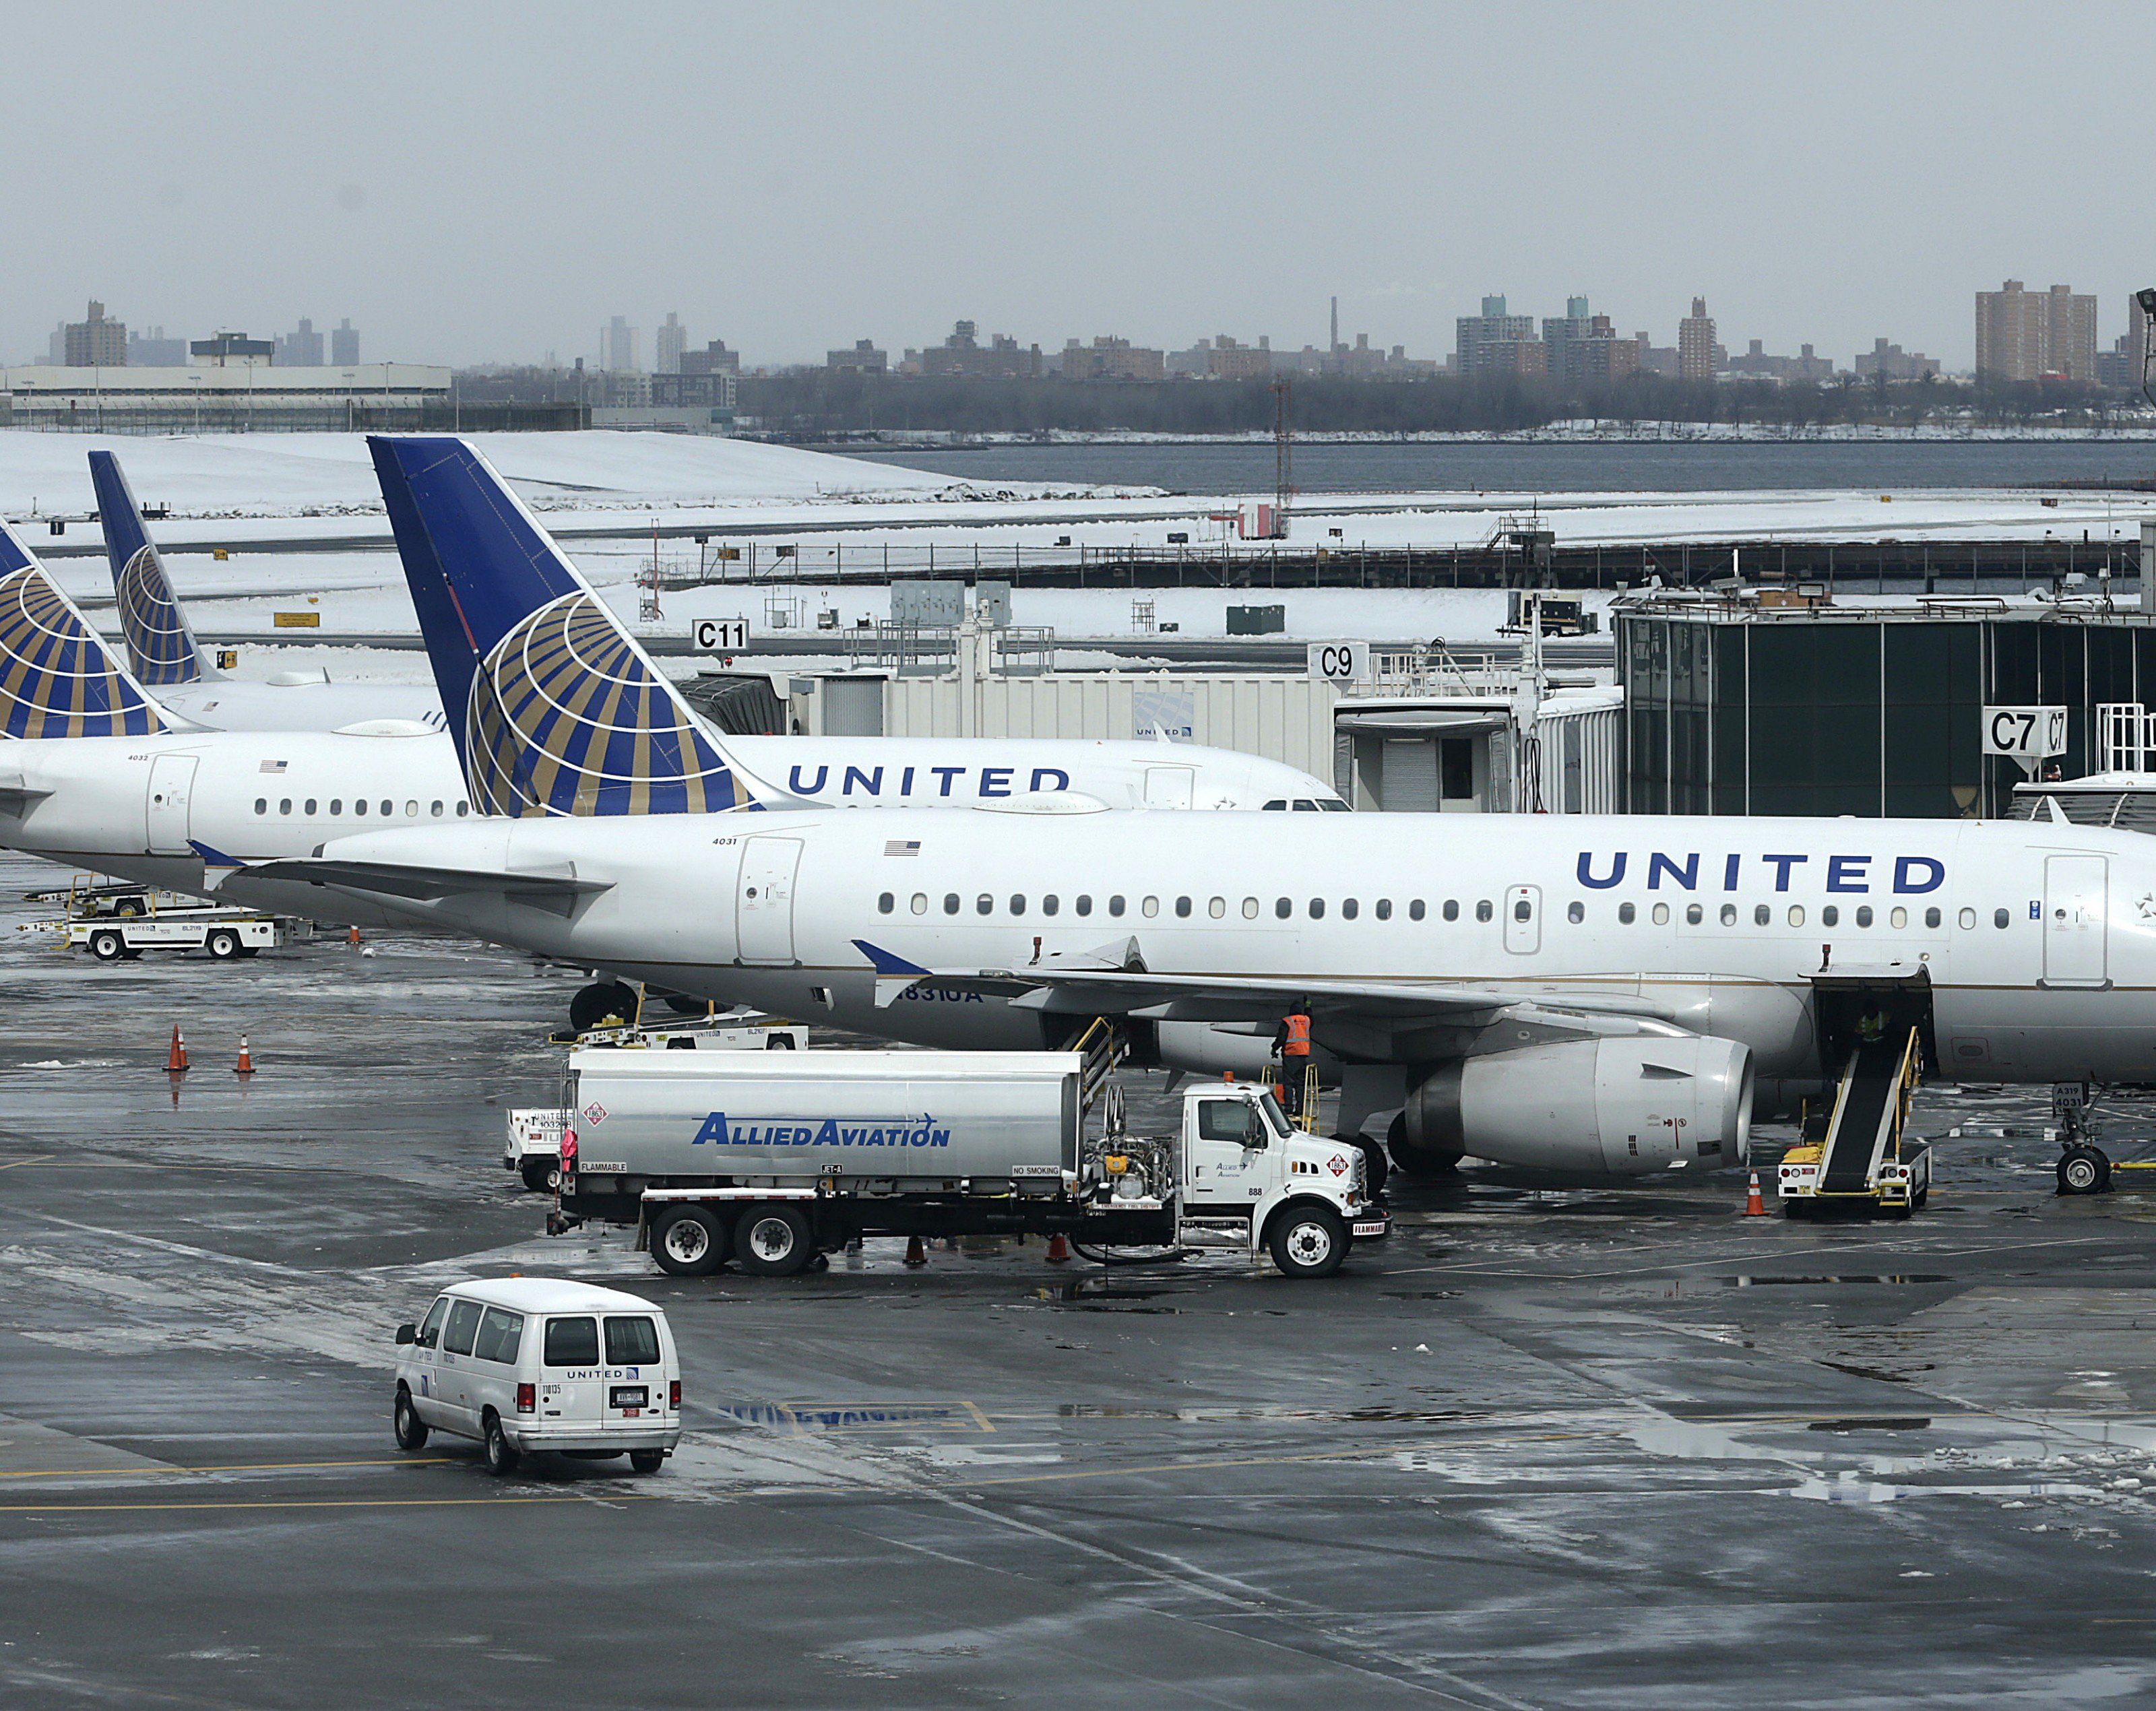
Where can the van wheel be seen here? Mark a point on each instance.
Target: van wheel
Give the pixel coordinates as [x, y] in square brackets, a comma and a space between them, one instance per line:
[411, 1430]
[539, 1175]
[689, 1241]
[774, 1241]
[1308, 1241]
[223, 945]
[646, 1461]
[106, 946]
[501, 1456]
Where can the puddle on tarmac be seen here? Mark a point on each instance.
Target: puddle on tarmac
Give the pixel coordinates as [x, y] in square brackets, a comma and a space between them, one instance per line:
[1908, 1422]
[1747, 1282]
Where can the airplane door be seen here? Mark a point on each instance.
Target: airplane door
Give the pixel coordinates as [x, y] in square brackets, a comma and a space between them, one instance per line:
[764, 914]
[171, 788]
[1168, 787]
[2075, 887]
[1523, 919]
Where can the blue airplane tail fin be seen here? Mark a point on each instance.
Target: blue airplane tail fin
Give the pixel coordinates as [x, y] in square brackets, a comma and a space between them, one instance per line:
[159, 642]
[554, 707]
[58, 678]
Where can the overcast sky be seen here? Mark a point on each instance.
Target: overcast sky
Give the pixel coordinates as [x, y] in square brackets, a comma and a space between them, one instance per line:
[472, 182]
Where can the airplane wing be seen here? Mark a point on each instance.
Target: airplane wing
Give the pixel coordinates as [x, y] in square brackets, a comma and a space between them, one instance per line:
[1112, 983]
[559, 892]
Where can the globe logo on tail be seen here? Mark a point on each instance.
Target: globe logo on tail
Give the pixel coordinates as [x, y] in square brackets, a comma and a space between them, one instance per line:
[150, 619]
[56, 678]
[567, 718]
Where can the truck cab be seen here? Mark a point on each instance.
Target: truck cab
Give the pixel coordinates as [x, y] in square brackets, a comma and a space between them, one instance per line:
[1304, 1197]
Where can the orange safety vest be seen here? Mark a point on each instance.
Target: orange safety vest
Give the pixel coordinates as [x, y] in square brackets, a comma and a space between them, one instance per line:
[1297, 1043]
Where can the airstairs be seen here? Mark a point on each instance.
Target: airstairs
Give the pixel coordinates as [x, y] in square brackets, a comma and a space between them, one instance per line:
[1865, 1162]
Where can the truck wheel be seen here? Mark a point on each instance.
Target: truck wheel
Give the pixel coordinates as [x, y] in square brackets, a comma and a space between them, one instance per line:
[539, 1175]
[646, 1461]
[223, 945]
[689, 1241]
[411, 1430]
[594, 1003]
[2083, 1170]
[106, 946]
[1308, 1241]
[774, 1241]
[501, 1456]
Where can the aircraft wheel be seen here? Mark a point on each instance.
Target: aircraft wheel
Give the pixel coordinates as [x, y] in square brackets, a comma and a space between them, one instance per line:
[2083, 1170]
[1423, 1163]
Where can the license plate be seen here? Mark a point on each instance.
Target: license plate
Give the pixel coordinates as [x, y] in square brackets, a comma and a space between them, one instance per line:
[1375, 1228]
[629, 1395]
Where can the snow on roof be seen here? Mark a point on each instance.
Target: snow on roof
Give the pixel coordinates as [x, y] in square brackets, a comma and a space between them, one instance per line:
[548, 1295]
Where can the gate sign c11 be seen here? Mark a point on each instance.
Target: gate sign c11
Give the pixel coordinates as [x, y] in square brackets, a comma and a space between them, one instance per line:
[719, 635]
[2025, 733]
[1340, 662]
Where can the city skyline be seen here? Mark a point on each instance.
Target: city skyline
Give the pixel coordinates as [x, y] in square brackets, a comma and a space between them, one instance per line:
[1783, 164]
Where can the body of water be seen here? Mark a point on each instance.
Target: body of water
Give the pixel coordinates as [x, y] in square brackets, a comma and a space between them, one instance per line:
[1623, 467]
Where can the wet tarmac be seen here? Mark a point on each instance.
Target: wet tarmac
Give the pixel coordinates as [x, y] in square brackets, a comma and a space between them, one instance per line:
[1581, 1447]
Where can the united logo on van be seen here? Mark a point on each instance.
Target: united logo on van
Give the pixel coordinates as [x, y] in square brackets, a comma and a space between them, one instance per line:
[828, 1131]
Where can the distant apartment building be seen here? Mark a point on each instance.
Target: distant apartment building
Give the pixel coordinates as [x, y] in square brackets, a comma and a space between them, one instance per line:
[962, 356]
[617, 347]
[232, 350]
[711, 389]
[1111, 358]
[863, 359]
[152, 349]
[300, 348]
[344, 344]
[1653, 358]
[1757, 363]
[95, 341]
[1583, 349]
[667, 344]
[1494, 342]
[715, 358]
[2024, 336]
[1894, 362]
[1695, 343]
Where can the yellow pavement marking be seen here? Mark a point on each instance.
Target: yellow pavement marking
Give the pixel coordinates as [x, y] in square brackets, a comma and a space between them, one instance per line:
[228, 1468]
[16, 1164]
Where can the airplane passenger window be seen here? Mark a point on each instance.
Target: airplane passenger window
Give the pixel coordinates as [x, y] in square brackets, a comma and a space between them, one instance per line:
[1575, 912]
[1761, 916]
[1150, 906]
[387, 809]
[1451, 909]
[359, 804]
[286, 806]
[437, 808]
[1049, 904]
[1931, 918]
[1662, 915]
[1864, 915]
[463, 809]
[1523, 910]
[1385, 909]
[1115, 905]
[1218, 909]
[1017, 905]
[920, 903]
[1899, 918]
[950, 903]
[1728, 915]
[337, 805]
[1349, 908]
[1084, 905]
[1830, 916]
[1967, 919]
[310, 806]
[1999, 919]
[1318, 908]
[1482, 910]
[262, 805]
[1182, 907]
[1692, 914]
[885, 904]
[983, 904]
[1282, 909]
[1627, 912]
[1796, 914]
[1415, 910]
[411, 811]
[1249, 908]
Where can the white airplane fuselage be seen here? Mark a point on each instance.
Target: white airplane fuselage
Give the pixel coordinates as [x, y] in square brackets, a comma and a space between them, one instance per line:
[233, 704]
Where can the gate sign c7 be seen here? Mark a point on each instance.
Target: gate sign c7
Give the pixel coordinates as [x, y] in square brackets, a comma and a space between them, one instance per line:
[1340, 662]
[2025, 733]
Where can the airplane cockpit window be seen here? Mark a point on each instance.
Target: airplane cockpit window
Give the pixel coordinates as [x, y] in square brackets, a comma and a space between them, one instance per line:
[1333, 805]
[1304, 805]
[1277, 805]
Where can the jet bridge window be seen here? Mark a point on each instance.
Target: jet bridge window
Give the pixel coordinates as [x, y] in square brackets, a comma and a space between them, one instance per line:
[885, 904]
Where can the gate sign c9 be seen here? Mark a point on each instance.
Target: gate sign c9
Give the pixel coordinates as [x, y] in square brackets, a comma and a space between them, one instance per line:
[719, 635]
[2025, 733]
[1340, 662]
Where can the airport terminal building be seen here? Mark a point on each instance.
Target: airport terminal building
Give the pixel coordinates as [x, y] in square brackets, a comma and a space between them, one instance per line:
[231, 397]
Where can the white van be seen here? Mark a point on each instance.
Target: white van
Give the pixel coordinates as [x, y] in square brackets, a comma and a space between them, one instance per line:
[530, 1364]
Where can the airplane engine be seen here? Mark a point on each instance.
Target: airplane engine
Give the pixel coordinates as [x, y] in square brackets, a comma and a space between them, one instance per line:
[1627, 1106]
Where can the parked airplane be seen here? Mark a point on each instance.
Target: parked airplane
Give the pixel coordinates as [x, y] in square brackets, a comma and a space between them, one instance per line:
[166, 658]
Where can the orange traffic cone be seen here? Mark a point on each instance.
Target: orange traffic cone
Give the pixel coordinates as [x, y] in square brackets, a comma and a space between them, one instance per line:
[246, 1064]
[353, 937]
[1058, 1249]
[176, 1060]
[1754, 1206]
[915, 1253]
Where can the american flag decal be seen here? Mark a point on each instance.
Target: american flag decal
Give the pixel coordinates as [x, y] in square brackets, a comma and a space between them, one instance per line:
[273, 765]
[902, 847]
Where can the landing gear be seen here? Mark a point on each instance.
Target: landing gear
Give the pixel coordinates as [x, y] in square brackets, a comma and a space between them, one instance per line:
[593, 1004]
[1376, 1166]
[1422, 1162]
[2084, 1168]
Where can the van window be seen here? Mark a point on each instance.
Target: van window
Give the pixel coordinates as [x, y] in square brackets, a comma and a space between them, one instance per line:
[463, 1323]
[498, 1334]
[573, 1342]
[632, 1342]
[430, 1332]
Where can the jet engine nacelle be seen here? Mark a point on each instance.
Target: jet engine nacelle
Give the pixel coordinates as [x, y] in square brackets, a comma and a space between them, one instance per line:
[1626, 1106]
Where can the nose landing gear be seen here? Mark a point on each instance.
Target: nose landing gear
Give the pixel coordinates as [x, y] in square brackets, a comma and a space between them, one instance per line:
[2084, 1167]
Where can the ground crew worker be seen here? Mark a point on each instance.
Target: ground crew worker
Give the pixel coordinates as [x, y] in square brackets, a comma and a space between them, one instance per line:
[1292, 1041]
[1871, 1025]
